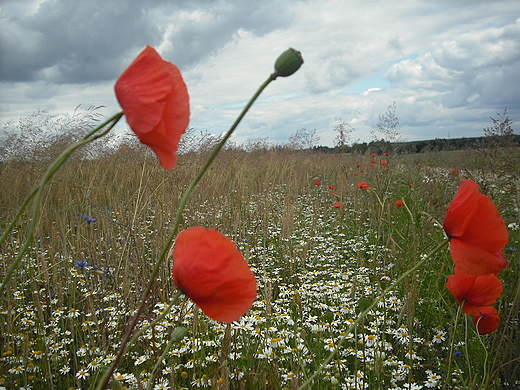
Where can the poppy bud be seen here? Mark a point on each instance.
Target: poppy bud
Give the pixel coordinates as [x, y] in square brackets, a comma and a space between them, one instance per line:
[179, 333]
[288, 63]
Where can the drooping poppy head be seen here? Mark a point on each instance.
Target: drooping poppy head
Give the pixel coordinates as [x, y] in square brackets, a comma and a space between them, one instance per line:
[363, 185]
[155, 101]
[337, 205]
[486, 320]
[210, 270]
[399, 203]
[475, 291]
[477, 232]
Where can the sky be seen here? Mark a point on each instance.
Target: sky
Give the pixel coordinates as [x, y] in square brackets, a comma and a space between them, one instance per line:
[448, 65]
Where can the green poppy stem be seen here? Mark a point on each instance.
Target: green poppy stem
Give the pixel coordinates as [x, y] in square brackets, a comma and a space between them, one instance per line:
[364, 313]
[125, 343]
[56, 165]
[450, 356]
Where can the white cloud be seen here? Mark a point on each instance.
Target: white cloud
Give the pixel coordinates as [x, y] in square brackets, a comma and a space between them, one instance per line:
[447, 65]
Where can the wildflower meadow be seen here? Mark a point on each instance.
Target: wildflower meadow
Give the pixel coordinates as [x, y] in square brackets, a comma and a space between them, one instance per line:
[134, 267]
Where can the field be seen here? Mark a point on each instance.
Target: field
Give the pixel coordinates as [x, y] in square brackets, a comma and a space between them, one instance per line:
[104, 221]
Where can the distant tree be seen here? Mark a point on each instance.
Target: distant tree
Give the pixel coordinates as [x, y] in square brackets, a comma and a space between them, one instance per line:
[303, 139]
[388, 125]
[359, 148]
[342, 139]
[501, 126]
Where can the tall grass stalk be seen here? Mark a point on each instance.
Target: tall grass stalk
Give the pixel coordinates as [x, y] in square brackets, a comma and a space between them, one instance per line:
[38, 191]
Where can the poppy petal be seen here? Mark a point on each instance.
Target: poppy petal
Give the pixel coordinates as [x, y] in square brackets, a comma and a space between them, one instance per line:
[461, 209]
[213, 273]
[155, 101]
[486, 228]
[474, 260]
[476, 230]
[486, 320]
[475, 291]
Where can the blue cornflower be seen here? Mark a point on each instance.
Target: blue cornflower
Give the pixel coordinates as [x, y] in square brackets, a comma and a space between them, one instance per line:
[88, 219]
[458, 354]
[81, 264]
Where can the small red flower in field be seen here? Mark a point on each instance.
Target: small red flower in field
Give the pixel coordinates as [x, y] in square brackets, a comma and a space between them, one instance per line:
[399, 203]
[374, 155]
[355, 174]
[330, 187]
[363, 185]
[475, 291]
[337, 205]
[387, 154]
[477, 232]
[454, 172]
[358, 165]
[486, 320]
[419, 165]
[210, 270]
[410, 185]
[361, 171]
[383, 163]
[317, 182]
[155, 101]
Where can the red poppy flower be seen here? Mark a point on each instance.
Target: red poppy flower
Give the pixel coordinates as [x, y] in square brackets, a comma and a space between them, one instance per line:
[330, 187]
[486, 320]
[387, 154]
[374, 155]
[399, 203]
[155, 101]
[454, 172]
[358, 165]
[475, 291]
[209, 269]
[337, 205]
[363, 185]
[317, 182]
[383, 163]
[477, 232]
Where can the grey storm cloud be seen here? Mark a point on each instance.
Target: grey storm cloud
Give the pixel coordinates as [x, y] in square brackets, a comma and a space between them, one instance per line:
[65, 41]
[89, 41]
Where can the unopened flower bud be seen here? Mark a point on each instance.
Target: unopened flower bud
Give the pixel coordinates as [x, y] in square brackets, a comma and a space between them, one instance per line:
[288, 63]
[179, 333]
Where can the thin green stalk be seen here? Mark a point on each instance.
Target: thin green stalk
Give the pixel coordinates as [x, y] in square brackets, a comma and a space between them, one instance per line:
[468, 362]
[484, 377]
[9, 229]
[103, 384]
[38, 191]
[450, 354]
[364, 313]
